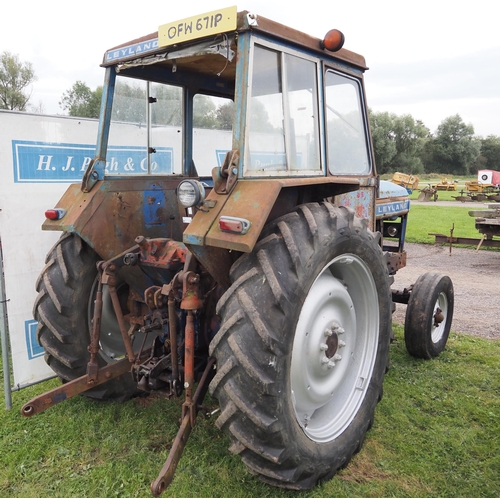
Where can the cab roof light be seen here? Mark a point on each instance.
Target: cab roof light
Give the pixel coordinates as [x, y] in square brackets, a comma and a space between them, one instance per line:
[333, 40]
[55, 213]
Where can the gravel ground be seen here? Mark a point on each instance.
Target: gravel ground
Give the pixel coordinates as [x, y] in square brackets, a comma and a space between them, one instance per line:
[476, 281]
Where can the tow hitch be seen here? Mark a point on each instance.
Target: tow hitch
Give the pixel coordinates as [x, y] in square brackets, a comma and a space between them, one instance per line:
[186, 283]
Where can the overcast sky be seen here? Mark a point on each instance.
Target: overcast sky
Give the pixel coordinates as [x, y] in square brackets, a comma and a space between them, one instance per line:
[430, 59]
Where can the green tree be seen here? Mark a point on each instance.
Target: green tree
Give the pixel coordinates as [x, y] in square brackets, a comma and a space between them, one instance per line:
[168, 108]
[410, 137]
[398, 142]
[455, 148]
[384, 140]
[15, 78]
[81, 101]
[225, 114]
[205, 112]
[490, 152]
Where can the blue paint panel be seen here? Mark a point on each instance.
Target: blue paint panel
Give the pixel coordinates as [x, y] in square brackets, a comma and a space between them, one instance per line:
[33, 348]
[153, 206]
[37, 162]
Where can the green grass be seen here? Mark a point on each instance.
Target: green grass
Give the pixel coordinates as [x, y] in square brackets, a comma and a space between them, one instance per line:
[433, 218]
[436, 434]
[449, 196]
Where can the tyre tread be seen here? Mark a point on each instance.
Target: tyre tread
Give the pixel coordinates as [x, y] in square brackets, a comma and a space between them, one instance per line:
[255, 307]
[61, 311]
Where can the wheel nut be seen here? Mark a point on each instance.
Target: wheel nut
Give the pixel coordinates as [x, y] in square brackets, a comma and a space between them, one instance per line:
[336, 328]
[323, 347]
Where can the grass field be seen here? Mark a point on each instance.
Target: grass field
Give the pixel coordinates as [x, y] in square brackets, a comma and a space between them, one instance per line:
[436, 431]
[436, 434]
[433, 218]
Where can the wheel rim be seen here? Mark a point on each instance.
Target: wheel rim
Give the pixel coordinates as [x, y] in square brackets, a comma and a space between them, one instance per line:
[335, 348]
[438, 327]
[111, 343]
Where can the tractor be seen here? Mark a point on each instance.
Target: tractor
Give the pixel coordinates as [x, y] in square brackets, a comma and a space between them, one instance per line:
[232, 235]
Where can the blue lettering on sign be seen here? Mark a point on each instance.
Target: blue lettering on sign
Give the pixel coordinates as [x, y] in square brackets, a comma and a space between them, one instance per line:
[55, 162]
[262, 160]
[33, 348]
[136, 49]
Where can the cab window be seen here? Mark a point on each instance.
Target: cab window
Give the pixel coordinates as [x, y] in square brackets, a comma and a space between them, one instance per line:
[145, 134]
[283, 125]
[347, 144]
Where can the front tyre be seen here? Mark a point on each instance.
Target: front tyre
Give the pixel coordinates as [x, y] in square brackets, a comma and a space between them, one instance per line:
[428, 315]
[303, 345]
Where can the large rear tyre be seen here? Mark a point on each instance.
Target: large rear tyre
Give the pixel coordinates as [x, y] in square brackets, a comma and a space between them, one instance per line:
[428, 315]
[64, 308]
[303, 346]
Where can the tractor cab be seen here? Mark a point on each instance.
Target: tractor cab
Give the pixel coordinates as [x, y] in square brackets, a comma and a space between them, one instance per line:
[228, 100]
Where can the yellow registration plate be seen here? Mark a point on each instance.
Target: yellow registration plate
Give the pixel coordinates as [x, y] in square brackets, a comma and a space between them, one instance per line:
[211, 23]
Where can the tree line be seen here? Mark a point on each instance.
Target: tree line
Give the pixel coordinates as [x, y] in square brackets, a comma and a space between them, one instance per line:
[400, 142]
[403, 144]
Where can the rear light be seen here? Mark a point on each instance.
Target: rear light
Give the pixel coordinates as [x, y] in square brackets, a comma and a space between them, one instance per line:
[233, 225]
[55, 213]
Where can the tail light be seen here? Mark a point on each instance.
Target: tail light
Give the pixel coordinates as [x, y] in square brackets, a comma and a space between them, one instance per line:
[55, 213]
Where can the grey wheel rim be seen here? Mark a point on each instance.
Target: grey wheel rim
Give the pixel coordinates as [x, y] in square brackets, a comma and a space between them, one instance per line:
[334, 348]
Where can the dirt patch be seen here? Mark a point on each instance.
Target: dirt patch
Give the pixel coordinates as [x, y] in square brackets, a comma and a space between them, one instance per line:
[476, 281]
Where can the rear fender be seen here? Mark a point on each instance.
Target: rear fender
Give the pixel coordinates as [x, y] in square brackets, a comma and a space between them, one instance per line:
[254, 201]
[114, 213]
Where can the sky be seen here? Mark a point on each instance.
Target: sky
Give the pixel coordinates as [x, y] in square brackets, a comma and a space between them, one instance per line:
[429, 59]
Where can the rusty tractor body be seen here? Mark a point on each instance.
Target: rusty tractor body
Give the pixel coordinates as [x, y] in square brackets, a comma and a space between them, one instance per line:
[232, 235]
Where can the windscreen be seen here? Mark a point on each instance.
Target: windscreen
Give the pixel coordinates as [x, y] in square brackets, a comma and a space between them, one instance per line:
[146, 130]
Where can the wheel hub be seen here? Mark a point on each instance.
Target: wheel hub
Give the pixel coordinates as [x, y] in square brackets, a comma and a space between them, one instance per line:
[329, 349]
[332, 344]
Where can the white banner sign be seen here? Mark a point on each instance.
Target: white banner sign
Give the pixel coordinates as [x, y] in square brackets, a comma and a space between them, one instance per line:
[34, 172]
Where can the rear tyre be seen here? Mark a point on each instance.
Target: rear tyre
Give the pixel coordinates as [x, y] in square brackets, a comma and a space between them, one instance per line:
[63, 309]
[303, 346]
[428, 315]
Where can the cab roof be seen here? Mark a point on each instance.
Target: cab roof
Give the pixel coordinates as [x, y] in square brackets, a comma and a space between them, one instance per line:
[148, 45]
